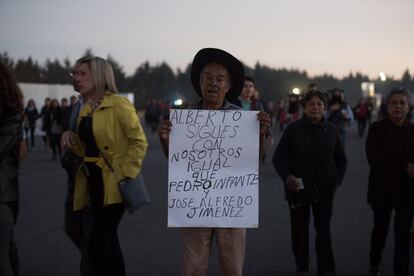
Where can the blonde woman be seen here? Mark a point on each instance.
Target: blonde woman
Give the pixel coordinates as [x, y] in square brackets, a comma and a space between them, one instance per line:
[108, 127]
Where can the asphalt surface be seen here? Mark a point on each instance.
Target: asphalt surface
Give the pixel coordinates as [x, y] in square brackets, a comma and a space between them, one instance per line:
[150, 248]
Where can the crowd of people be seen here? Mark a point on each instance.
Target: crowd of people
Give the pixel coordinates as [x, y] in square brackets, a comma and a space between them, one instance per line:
[54, 117]
[101, 143]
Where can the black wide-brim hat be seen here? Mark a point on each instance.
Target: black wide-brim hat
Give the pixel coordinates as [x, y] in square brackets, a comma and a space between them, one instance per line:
[232, 64]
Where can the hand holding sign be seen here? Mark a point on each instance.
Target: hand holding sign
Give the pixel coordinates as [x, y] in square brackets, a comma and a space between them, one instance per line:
[213, 168]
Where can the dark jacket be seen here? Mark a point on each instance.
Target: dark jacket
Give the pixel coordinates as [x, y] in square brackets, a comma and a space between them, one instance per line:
[315, 154]
[32, 115]
[389, 149]
[10, 137]
[54, 115]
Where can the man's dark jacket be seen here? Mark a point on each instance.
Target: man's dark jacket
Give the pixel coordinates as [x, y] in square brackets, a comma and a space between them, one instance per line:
[314, 153]
[389, 149]
[10, 137]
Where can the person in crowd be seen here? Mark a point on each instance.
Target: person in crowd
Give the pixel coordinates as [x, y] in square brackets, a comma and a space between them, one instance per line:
[371, 108]
[116, 139]
[31, 115]
[153, 112]
[245, 100]
[65, 113]
[44, 113]
[311, 162]
[76, 227]
[11, 135]
[74, 101]
[312, 87]
[390, 154]
[54, 127]
[362, 114]
[249, 100]
[293, 108]
[281, 116]
[339, 112]
[217, 77]
[382, 111]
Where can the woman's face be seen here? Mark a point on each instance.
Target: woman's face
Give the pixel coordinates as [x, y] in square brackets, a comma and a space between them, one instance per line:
[398, 107]
[55, 104]
[314, 109]
[82, 79]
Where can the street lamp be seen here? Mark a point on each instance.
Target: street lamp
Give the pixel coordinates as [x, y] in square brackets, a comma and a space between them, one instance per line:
[296, 91]
[382, 76]
[178, 102]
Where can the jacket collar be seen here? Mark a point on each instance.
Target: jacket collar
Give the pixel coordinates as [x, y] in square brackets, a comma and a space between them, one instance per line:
[308, 122]
[107, 101]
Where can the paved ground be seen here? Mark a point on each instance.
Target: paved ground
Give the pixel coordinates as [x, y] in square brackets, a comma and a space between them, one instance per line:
[150, 248]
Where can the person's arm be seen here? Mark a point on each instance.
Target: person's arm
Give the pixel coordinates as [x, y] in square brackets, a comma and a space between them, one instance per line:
[135, 135]
[23, 146]
[164, 135]
[264, 119]
[10, 133]
[340, 158]
[375, 152]
[280, 162]
[281, 155]
[412, 237]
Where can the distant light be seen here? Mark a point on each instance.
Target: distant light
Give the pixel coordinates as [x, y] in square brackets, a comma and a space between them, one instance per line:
[296, 91]
[178, 102]
[382, 76]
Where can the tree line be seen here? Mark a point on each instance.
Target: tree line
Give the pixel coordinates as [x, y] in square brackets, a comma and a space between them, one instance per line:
[162, 82]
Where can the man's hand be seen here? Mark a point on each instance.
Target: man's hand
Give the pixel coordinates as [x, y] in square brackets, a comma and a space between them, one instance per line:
[164, 134]
[264, 119]
[292, 183]
[68, 140]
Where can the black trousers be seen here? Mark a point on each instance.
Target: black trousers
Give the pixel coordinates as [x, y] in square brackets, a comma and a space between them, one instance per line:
[402, 226]
[101, 251]
[77, 223]
[299, 219]
[54, 141]
[362, 124]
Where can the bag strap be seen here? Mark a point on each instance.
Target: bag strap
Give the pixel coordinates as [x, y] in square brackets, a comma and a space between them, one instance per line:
[104, 157]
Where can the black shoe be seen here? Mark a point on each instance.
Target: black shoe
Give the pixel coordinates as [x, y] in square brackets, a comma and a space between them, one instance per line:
[302, 273]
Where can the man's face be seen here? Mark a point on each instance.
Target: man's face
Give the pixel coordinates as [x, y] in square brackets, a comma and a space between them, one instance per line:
[214, 84]
[248, 90]
[73, 100]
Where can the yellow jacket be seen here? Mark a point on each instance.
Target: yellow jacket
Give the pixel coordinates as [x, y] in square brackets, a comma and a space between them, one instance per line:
[120, 137]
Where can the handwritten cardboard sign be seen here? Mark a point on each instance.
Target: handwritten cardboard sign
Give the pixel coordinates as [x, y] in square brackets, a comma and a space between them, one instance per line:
[213, 178]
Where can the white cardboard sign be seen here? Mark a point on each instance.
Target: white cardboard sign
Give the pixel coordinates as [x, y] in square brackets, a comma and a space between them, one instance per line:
[213, 168]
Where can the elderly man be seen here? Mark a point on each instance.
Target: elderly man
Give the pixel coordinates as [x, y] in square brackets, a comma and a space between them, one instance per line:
[217, 77]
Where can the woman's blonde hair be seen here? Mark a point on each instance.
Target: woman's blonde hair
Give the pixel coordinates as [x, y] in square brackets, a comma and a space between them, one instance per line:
[102, 74]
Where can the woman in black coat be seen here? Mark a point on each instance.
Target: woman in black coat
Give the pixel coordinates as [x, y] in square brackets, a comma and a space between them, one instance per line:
[31, 117]
[390, 153]
[11, 120]
[311, 161]
[54, 127]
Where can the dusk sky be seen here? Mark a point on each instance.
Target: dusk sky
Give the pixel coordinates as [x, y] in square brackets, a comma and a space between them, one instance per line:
[319, 36]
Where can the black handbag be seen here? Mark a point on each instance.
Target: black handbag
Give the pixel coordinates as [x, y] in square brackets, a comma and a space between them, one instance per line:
[133, 190]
